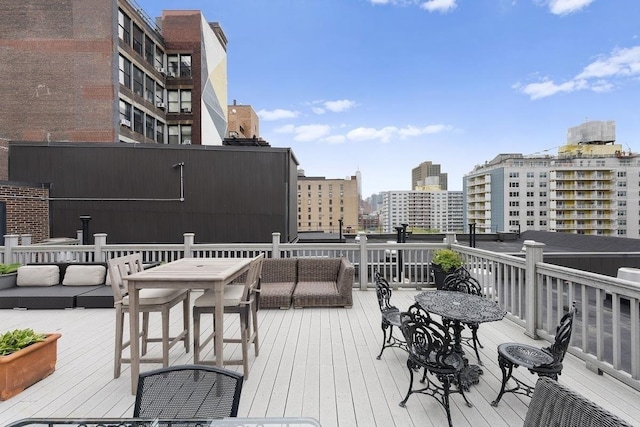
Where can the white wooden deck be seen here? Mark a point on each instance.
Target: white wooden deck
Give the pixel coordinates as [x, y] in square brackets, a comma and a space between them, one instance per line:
[317, 362]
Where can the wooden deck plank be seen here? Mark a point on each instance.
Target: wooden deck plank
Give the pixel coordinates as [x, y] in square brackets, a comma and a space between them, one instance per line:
[318, 362]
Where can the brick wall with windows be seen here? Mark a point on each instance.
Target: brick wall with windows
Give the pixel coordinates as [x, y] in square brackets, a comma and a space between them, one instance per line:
[27, 210]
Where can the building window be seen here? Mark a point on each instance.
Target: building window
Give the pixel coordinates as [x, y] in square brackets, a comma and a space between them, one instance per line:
[124, 27]
[185, 133]
[138, 120]
[174, 134]
[159, 132]
[159, 59]
[149, 127]
[125, 111]
[138, 36]
[125, 72]
[149, 89]
[185, 101]
[179, 65]
[174, 101]
[149, 50]
[159, 95]
[185, 65]
[138, 81]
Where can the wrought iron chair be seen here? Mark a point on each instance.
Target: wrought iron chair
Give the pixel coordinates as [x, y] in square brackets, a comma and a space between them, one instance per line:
[461, 281]
[431, 347]
[545, 362]
[151, 300]
[390, 315]
[188, 391]
[240, 299]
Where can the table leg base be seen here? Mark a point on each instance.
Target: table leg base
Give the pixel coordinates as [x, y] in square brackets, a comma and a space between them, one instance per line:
[470, 375]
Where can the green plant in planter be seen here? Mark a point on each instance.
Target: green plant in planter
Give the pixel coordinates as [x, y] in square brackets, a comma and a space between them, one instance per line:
[447, 259]
[9, 268]
[15, 340]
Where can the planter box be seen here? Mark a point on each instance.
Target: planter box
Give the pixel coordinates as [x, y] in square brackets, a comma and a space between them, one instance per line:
[8, 280]
[27, 366]
[439, 275]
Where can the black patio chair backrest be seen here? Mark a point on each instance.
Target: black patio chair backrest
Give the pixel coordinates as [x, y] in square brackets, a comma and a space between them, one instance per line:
[429, 343]
[383, 291]
[188, 391]
[462, 281]
[563, 336]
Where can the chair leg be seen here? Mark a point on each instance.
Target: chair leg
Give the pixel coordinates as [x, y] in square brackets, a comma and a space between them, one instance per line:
[476, 343]
[384, 339]
[507, 370]
[254, 310]
[165, 337]
[186, 304]
[403, 403]
[145, 332]
[244, 338]
[196, 335]
[446, 386]
[117, 359]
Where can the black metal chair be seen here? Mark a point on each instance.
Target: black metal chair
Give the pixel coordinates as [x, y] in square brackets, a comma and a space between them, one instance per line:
[462, 281]
[431, 347]
[545, 362]
[188, 391]
[390, 315]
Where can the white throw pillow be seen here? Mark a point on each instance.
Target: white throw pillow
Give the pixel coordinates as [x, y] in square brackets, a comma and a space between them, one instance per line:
[38, 275]
[84, 275]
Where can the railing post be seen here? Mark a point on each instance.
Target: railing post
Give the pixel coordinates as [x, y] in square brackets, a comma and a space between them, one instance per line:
[275, 243]
[99, 240]
[450, 239]
[79, 236]
[189, 239]
[25, 239]
[363, 273]
[533, 255]
[10, 241]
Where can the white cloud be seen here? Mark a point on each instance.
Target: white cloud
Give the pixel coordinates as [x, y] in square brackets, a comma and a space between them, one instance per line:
[285, 129]
[339, 106]
[620, 64]
[566, 7]
[277, 114]
[335, 139]
[318, 110]
[438, 5]
[416, 131]
[379, 1]
[387, 133]
[307, 133]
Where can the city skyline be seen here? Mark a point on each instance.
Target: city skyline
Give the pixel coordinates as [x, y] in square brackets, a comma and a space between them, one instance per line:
[380, 86]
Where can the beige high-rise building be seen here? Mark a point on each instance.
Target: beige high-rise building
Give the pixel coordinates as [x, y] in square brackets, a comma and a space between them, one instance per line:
[427, 177]
[243, 122]
[323, 203]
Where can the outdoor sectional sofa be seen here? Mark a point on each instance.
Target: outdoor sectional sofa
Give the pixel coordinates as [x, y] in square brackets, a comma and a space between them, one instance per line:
[58, 285]
[306, 282]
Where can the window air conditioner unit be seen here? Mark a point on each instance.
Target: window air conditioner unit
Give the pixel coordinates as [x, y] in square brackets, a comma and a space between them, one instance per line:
[160, 105]
[160, 70]
[186, 142]
[186, 110]
[125, 122]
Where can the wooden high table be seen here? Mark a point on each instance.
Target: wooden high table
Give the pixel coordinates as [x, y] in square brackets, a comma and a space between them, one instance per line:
[185, 273]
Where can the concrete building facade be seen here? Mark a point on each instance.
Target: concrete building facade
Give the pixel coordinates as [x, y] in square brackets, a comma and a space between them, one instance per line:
[438, 211]
[590, 187]
[324, 203]
[103, 71]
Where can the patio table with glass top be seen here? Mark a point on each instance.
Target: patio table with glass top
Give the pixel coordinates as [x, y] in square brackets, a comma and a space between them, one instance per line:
[185, 273]
[461, 308]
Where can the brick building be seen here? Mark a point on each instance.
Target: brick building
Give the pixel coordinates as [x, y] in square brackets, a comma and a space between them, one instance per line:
[102, 71]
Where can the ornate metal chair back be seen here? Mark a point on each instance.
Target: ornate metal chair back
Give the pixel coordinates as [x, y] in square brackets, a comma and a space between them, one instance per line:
[563, 336]
[461, 281]
[383, 291]
[429, 342]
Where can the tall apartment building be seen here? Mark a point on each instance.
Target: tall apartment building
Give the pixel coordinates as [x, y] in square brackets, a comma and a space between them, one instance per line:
[427, 177]
[323, 203]
[591, 187]
[439, 211]
[103, 71]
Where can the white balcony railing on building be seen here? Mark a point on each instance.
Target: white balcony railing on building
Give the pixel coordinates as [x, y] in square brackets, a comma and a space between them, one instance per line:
[534, 293]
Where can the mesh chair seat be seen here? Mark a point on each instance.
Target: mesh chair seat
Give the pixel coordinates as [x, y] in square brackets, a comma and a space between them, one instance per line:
[191, 391]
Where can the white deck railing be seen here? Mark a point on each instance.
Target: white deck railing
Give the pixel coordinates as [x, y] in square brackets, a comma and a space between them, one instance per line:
[606, 332]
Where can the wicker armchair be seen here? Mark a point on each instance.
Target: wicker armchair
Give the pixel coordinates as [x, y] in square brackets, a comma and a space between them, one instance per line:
[545, 362]
[390, 315]
[431, 348]
[553, 404]
[324, 282]
[461, 281]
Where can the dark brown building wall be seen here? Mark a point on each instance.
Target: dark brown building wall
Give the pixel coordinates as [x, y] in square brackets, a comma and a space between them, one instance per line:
[58, 71]
[132, 192]
[27, 210]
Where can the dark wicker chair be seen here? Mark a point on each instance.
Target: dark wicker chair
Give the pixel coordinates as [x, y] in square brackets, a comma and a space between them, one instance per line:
[390, 315]
[188, 391]
[553, 404]
[461, 281]
[544, 362]
[431, 347]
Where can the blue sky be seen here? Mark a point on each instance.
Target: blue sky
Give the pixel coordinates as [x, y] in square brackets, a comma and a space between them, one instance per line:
[383, 85]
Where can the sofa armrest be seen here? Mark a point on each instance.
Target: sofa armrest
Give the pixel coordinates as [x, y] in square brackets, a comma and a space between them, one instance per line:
[346, 277]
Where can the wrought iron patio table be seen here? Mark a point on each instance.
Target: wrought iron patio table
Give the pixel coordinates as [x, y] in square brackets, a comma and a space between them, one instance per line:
[461, 308]
[148, 422]
[185, 273]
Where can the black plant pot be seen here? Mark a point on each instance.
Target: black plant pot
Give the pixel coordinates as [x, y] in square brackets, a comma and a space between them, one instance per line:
[439, 275]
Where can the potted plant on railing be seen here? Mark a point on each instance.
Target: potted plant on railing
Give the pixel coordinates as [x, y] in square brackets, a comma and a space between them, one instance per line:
[443, 263]
[26, 357]
[8, 275]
